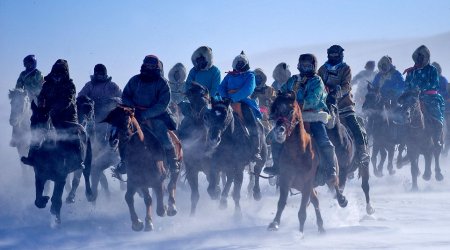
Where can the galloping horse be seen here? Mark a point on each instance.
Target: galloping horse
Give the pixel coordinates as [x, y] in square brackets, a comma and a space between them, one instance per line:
[143, 170]
[19, 119]
[53, 158]
[382, 130]
[419, 140]
[298, 161]
[229, 148]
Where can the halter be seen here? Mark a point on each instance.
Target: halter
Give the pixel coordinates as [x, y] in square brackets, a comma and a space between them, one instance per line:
[290, 124]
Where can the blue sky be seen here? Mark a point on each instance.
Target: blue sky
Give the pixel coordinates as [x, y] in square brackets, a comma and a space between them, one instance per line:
[120, 33]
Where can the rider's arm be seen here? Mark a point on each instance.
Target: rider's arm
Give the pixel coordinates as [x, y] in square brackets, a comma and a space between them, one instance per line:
[346, 79]
[246, 90]
[215, 80]
[163, 100]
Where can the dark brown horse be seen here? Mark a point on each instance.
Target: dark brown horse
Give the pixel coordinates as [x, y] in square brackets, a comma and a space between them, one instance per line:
[419, 139]
[298, 160]
[143, 170]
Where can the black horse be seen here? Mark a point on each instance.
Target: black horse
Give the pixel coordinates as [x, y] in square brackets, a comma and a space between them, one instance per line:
[54, 158]
[229, 147]
[382, 129]
[419, 139]
[343, 140]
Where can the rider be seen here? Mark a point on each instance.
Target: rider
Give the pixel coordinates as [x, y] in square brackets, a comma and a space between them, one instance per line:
[390, 82]
[361, 80]
[281, 75]
[30, 79]
[204, 72]
[149, 93]
[264, 94]
[336, 76]
[425, 77]
[443, 83]
[177, 82]
[238, 85]
[311, 96]
[57, 98]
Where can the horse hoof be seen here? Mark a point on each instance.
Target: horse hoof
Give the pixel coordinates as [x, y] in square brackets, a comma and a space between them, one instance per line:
[426, 176]
[414, 188]
[172, 211]
[274, 226]
[41, 202]
[161, 211]
[223, 204]
[342, 201]
[439, 177]
[148, 226]
[53, 210]
[322, 230]
[257, 195]
[70, 199]
[369, 209]
[391, 171]
[137, 226]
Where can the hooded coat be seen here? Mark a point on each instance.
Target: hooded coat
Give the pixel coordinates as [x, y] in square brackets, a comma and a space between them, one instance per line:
[263, 93]
[177, 88]
[281, 75]
[390, 83]
[31, 82]
[208, 77]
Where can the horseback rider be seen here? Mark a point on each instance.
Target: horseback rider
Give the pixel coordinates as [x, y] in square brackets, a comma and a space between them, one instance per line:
[204, 72]
[265, 95]
[102, 91]
[336, 76]
[425, 77]
[311, 96]
[177, 80]
[57, 98]
[390, 82]
[238, 85]
[149, 93]
[281, 75]
[361, 80]
[443, 83]
[30, 79]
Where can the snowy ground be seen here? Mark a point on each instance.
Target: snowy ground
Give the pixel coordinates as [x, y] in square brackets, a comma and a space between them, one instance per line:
[403, 220]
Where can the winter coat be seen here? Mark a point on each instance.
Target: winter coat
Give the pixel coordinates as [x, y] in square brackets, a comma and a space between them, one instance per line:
[177, 88]
[443, 84]
[31, 82]
[391, 84]
[338, 75]
[208, 77]
[101, 93]
[239, 87]
[281, 75]
[311, 93]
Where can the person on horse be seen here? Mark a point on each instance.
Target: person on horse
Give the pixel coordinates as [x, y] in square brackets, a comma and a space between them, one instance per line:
[336, 76]
[281, 75]
[390, 82]
[265, 95]
[238, 85]
[30, 79]
[204, 72]
[57, 98]
[311, 96]
[361, 80]
[443, 83]
[149, 93]
[177, 82]
[425, 77]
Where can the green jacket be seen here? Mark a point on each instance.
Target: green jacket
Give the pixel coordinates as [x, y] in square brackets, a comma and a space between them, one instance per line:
[31, 82]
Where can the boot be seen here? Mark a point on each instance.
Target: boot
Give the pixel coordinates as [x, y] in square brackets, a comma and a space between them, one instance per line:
[330, 161]
[172, 161]
[274, 169]
[121, 168]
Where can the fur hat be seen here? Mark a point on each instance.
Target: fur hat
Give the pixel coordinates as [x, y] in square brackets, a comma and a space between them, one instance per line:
[281, 73]
[423, 50]
[179, 67]
[204, 51]
[385, 60]
[240, 58]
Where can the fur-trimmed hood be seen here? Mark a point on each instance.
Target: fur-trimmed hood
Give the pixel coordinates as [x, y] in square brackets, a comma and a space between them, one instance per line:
[179, 67]
[385, 61]
[259, 72]
[281, 73]
[206, 52]
[425, 52]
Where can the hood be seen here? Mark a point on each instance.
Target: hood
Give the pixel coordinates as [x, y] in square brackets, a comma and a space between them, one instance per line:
[260, 73]
[206, 52]
[179, 67]
[385, 61]
[438, 67]
[241, 58]
[281, 73]
[422, 50]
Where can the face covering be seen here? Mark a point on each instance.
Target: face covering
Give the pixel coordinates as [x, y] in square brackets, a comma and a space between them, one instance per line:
[306, 68]
[150, 72]
[201, 63]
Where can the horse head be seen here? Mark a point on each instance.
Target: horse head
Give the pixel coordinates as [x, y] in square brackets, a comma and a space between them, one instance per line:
[20, 106]
[217, 120]
[199, 99]
[85, 110]
[372, 100]
[409, 112]
[286, 114]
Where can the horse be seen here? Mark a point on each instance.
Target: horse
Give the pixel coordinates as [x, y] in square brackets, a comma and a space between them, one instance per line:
[382, 130]
[298, 160]
[53, 158]
[142, 154]
[342, 139]
[85, 111]
[229, 148]
[19, 119]
[418, 129]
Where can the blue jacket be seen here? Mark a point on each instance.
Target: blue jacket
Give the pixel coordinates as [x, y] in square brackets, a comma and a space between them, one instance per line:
[443, 87]
[391, 84]
[209, 78]
[311, 95]
[242, 85]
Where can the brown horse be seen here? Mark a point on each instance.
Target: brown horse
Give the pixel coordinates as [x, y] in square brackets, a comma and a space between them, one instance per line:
[143, 170]
[298, 159]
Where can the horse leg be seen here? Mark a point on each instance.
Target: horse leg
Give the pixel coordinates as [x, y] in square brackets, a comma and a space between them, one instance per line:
[172, 188]
[40, 201]
[68, 186]
[383, 154]
[95, 179]
[75, 183]
[161, 209]
[375, 150]
[148, 210]
[55, 208]
[315, 202]
[192, 178]
[213, 186]
[303, 204]
[238, 179]
[136, 223]
[390, 166]
[226, 190]
[104, 184]
[251, 179]
[364, 173]
[342, 201]
[256, 188]
[284, 192]
[414, 171]
[437, 168]
[427, 174]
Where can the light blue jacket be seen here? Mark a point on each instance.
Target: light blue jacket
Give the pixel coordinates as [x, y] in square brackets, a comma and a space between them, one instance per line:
[311, 95]
[209, 78]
